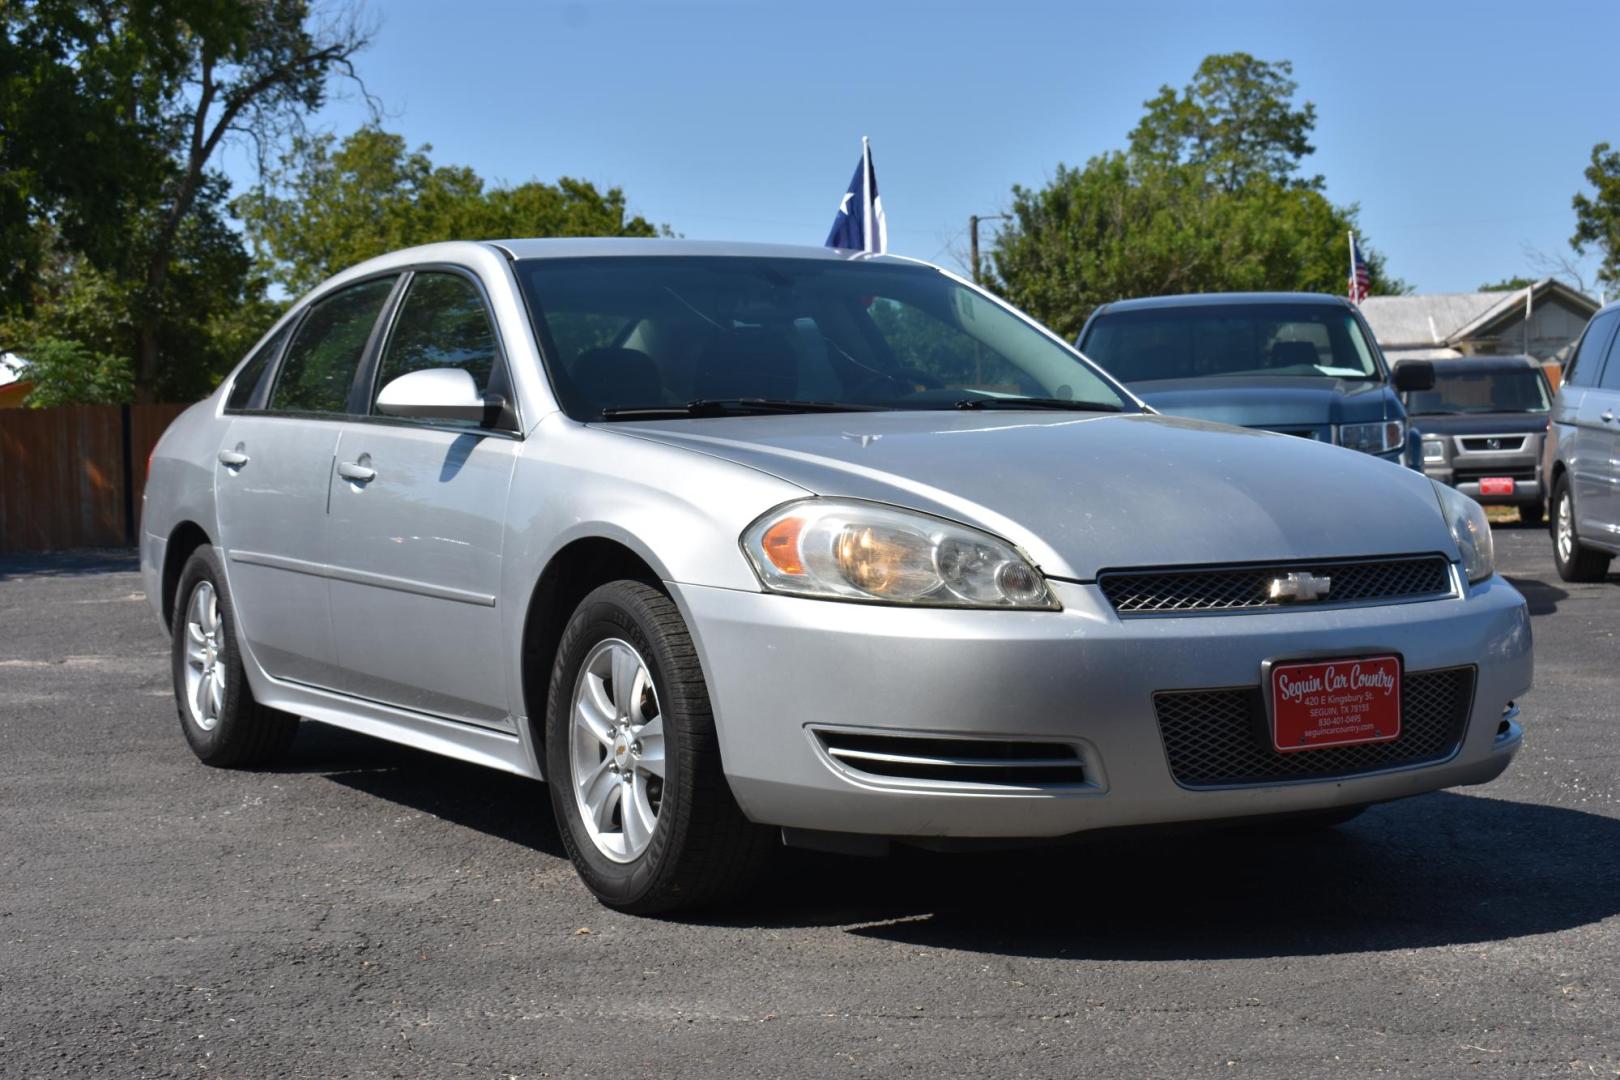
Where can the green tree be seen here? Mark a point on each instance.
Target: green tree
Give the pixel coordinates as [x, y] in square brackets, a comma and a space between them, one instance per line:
[1236, 122]
[1115, 229]
[331, 204]
[1206, 199]
[70, 373]
[1597, 217]
[114, 113]
[1507, 284]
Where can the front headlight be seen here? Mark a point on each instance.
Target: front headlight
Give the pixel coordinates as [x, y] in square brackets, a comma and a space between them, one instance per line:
[1434, 450]
[1471, 529]
[1379, 438]
[847, 550]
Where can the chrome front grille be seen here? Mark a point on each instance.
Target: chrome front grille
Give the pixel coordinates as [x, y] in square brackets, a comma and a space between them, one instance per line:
[953, 761]
[1219, 738]
[1491, 444]
[1241, 588]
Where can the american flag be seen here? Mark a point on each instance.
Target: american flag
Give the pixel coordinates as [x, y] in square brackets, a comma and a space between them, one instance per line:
[1360, 280]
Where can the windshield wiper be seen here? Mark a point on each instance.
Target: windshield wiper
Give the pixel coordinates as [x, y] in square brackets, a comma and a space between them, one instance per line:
[739, 406]
[1036, 403]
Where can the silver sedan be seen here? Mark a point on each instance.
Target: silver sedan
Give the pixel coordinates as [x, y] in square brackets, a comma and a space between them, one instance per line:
[740, 545]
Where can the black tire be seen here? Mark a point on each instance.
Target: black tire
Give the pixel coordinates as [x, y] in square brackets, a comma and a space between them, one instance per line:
[702, 849]
[1532, 514]
[244, 733]
[1583, 563]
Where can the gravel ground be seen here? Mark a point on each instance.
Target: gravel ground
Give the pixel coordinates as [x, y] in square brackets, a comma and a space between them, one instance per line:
[365, 910]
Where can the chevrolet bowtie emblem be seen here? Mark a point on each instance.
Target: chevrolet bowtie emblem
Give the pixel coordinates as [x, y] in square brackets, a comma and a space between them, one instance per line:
[1299, 587]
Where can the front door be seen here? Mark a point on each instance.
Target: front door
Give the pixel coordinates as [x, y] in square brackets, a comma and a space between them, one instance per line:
[272, 475]
[1599, 421]
[417, 521]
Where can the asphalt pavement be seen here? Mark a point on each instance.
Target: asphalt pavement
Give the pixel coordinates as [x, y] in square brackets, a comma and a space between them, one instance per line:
[369, 911]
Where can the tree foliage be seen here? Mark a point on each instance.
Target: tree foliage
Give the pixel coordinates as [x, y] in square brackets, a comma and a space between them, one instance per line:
[1235, 123]
[331, 204]
[66, 372]
[1206, 199]
[1508, 284]
[112, 114]
[1597, 216]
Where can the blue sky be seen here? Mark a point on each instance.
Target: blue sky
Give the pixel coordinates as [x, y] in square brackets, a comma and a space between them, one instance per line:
[1461, 129]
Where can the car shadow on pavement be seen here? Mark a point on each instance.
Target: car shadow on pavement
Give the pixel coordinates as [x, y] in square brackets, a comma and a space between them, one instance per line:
[498, 804]
[1441, 869]
[1542, 597]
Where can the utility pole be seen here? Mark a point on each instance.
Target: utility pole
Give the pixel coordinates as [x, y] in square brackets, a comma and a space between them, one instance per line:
[973, 239]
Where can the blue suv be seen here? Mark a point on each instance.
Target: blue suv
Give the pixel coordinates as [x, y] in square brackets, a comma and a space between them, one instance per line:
[1297, 363]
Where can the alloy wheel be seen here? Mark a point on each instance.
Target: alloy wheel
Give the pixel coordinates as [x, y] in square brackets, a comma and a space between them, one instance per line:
[205, 662]
[1566, 529]
[616, 750]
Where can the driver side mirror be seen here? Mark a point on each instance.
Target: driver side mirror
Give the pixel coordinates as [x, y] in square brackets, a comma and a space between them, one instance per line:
[1414, 376]
[440, 394]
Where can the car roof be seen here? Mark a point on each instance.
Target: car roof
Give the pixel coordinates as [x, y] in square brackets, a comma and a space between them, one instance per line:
[1148, 303]
[1447, 364]
[630, 247]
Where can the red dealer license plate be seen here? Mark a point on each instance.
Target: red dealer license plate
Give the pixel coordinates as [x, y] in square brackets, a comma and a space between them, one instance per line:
[1496, 485]
[1335, 703]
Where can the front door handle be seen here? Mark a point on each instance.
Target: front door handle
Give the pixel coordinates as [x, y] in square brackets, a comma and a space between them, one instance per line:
[233, 459]
[1608, 416]
[360, 474]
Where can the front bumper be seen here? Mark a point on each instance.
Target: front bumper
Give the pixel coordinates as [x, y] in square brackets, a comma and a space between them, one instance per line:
[1528, 489]
[778, 665]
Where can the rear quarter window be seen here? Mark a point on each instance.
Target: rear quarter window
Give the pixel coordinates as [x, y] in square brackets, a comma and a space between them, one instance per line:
[245, 389]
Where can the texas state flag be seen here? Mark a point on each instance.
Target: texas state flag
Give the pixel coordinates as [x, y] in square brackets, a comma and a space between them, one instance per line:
[860, 225]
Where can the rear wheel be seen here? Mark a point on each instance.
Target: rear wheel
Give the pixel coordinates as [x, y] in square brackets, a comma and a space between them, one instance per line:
[633, 763]
[221, 721]
[1574, 560]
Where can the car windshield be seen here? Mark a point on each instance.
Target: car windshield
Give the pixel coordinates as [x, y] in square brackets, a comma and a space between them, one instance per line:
[659, 336]
[1480, 392]
[1240, 339]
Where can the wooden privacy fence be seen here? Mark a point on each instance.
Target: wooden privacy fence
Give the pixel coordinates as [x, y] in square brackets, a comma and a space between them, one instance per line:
[73, 477]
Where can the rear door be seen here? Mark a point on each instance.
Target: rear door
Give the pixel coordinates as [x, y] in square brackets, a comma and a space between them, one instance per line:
[417, 520]
[271, 479]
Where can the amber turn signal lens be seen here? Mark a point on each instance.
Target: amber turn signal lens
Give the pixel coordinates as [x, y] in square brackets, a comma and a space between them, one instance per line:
[781, 544]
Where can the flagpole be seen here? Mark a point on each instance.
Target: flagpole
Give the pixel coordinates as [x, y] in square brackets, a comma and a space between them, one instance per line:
[1350, 288]
[869, 240]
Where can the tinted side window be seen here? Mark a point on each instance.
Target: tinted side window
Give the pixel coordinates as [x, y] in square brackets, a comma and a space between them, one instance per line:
[1583, 370]
[1610, 379]
[323, 356]
[253, 372]
[441, 324]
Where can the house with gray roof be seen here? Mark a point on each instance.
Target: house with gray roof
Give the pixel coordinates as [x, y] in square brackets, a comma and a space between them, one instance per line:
[1439, 325]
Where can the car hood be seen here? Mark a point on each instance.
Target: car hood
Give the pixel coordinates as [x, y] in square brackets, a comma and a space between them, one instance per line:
[1259, 401]
[1507, 423]
[1086, 492]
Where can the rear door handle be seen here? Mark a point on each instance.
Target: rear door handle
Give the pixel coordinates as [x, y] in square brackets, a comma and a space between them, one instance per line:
[232, 459]
[360, 474]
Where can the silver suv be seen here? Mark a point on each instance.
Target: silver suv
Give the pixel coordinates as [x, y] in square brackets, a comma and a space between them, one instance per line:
[1582, 458]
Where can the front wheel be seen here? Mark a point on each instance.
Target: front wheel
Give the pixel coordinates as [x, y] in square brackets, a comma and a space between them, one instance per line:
[633, 763]
[1575, 561]
[219, 717]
